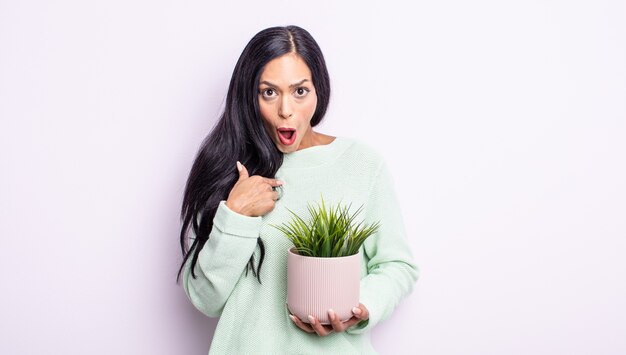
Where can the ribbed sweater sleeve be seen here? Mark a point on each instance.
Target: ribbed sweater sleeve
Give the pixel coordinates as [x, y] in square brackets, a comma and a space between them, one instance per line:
[391, 272]
[221, 261]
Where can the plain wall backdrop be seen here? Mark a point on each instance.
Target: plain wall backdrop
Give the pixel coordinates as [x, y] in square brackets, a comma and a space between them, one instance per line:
[503, 123]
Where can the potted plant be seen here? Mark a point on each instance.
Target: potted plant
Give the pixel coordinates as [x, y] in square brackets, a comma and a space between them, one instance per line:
[323, 266]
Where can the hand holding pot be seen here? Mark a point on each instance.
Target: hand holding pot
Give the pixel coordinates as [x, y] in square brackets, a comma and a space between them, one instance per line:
[359, 313]
[252, 195]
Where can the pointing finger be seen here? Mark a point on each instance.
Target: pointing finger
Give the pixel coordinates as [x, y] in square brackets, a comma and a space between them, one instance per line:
[243, 172]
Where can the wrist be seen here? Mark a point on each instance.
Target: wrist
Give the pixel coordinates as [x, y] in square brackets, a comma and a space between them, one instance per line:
[234, 208]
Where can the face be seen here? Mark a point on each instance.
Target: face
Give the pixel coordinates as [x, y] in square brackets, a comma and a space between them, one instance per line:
[287, 100]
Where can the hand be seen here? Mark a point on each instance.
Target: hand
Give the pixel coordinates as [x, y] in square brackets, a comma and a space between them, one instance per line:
[359, 313]
[252, 195]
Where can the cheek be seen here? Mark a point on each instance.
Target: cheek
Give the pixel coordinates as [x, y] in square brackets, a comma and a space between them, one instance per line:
[309, 107]
[264, 109]
[266, 113]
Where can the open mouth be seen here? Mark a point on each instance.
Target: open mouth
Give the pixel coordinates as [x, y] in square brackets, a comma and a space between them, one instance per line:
[287, 135]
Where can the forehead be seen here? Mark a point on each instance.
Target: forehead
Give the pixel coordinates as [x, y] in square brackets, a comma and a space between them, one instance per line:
[285, 70]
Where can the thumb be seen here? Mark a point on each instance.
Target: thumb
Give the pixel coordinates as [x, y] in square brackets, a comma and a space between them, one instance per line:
[243, 172]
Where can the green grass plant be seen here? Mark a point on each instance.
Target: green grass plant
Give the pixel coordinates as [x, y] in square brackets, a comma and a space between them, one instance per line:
[328, 232]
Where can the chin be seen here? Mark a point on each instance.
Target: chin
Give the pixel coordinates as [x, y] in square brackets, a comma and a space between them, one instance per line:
[287, 149]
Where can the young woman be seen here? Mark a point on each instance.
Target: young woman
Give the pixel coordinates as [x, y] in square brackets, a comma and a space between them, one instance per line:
[261, 158]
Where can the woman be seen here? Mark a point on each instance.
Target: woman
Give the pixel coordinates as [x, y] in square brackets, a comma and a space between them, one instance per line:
[262, 158]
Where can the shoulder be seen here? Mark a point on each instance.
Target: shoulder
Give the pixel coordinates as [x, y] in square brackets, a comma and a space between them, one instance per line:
[362, 154]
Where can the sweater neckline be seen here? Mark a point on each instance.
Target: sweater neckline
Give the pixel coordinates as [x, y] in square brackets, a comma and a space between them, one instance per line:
[316, 155]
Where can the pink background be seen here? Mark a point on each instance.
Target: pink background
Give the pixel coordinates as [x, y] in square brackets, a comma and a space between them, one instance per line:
[503, 124]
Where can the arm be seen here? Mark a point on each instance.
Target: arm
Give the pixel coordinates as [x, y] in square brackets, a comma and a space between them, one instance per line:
[391, 272]
[222, 260]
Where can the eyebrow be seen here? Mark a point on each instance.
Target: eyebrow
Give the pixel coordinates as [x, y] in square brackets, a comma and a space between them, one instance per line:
[291, 86]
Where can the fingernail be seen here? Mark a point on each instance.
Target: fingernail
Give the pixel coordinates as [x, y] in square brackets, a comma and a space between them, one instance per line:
[281, 182]
[331, 314]
[293, 318]
[238, 165]
[356, 310]
[311, 319]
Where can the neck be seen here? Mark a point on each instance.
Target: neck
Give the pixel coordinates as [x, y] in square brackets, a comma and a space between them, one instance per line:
[310, 139]
[316, 155]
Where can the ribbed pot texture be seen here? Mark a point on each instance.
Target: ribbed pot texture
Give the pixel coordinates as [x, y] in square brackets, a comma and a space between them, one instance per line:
[315, 285]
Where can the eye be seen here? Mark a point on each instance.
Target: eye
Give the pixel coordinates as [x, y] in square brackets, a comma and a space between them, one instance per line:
[267, 92]
[302, 91]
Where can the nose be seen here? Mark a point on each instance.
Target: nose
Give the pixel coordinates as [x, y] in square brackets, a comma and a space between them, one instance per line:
[285, 110]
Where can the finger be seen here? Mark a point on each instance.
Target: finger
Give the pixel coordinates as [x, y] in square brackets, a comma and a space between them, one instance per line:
[350, 322]
[300, 324]
[318, 327]
[275, 195]
[338, 326]
[243, 172]
[361, 312]
[274, 182]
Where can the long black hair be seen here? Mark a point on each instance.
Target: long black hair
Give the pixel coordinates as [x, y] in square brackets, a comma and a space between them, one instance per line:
[239, 135]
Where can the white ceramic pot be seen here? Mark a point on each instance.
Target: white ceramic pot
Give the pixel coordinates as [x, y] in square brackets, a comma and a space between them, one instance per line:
[315, 285]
